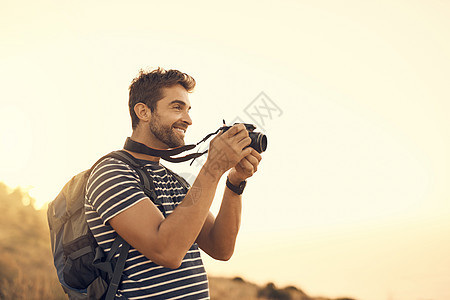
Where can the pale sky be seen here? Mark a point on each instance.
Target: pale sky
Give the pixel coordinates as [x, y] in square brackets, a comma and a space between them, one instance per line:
[352, 196]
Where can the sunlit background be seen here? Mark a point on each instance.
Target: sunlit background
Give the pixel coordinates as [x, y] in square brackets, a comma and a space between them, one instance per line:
[352, 196]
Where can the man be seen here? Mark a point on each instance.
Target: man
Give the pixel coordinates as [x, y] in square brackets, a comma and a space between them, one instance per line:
[164, 260]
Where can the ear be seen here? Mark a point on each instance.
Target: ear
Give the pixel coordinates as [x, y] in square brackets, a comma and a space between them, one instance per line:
[143, 112]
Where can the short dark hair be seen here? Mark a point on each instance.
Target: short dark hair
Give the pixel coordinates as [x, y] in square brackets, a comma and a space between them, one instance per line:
[147, 88]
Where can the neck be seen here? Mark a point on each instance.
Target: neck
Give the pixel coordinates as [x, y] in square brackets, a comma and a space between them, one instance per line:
[135, 136]
[143, 156]
[142, 148]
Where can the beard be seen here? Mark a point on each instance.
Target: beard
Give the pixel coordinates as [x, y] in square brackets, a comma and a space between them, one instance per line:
[164, 133]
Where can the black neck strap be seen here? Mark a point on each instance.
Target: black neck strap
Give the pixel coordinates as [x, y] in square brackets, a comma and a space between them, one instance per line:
[165, 154]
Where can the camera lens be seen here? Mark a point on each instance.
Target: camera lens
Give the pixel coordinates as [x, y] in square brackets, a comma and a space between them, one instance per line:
[259, 141]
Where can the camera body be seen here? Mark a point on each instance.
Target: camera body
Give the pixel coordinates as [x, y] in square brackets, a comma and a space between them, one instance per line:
[259, 140]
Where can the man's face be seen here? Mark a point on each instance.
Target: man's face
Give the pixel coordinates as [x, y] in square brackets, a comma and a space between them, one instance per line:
[170, 119]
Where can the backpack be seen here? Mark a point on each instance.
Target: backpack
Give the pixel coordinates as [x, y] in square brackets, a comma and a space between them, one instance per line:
[83, 269]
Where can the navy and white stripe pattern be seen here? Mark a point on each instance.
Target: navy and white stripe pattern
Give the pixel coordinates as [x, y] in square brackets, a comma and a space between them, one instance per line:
[113, 187]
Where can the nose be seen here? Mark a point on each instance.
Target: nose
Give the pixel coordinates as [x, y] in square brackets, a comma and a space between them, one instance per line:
[186, 118]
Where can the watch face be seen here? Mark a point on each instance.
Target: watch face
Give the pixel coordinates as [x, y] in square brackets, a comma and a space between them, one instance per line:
[237, 189]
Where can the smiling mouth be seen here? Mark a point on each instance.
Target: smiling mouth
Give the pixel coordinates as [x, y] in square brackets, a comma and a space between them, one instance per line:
[180, 130]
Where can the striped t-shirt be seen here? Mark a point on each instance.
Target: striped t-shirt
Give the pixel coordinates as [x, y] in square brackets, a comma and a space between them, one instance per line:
[112, 187]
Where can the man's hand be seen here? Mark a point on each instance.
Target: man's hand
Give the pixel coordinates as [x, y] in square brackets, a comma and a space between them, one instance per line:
[227, 149]
[245, 168]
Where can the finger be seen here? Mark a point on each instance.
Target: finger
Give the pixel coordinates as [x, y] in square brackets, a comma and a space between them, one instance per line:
[240, 135]
[235, 129]
[250, 162]
[244, 143]
[256, 154]
[253, 160]
[247, 166]
[245, 152]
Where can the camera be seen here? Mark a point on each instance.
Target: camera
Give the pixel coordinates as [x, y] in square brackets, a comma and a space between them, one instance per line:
[259, 140]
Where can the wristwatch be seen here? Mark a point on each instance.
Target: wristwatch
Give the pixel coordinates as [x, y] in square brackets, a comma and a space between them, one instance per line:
[237, 189]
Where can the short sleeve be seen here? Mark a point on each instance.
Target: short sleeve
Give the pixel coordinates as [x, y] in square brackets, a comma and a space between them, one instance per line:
[113, 187]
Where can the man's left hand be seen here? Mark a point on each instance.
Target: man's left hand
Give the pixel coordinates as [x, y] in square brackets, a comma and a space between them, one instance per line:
[245, 168]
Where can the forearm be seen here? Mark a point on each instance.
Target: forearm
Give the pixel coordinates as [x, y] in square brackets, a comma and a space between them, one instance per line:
[219, 236]
[181, 228]
[227, 224]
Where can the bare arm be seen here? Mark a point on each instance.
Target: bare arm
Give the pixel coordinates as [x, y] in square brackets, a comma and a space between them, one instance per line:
[218, 237]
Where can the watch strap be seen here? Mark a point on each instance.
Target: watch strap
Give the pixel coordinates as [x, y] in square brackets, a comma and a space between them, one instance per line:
[236, 189]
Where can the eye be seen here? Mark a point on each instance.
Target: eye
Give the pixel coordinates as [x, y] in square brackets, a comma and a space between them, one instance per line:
[177, 107]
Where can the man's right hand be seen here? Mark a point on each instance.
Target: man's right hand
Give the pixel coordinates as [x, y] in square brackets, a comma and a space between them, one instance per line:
[227, 149]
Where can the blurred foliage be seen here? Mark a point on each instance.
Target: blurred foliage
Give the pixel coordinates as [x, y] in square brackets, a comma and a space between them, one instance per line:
[26, 265]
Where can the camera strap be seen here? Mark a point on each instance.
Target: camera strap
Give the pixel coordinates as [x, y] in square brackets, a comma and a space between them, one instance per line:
[166, 154]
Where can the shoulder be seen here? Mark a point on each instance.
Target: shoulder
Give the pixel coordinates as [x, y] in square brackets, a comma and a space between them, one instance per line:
[109, 172]
[110, 162]
[112, 187]
[110, 166]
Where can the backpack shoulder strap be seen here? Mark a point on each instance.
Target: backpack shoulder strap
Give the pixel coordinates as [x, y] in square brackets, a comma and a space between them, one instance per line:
[120, 265]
